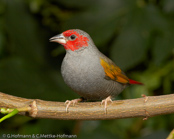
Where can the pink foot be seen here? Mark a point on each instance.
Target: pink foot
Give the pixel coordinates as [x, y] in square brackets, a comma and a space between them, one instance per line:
[105, 101]
[69, 102]
[145, 97]
[146, 112]
[147, 115]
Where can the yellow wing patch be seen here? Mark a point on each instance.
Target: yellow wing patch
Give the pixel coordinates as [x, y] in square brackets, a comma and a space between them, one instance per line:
[113, 72]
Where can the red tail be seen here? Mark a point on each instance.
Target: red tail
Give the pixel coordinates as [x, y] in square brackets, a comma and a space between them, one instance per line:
[134, 82]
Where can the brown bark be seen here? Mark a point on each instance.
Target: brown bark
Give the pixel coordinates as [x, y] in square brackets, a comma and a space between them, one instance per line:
[155, 105]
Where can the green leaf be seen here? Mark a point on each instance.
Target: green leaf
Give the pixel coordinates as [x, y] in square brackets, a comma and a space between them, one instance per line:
[163, 46]
[98, 20]
[168, 6]
[23, 78]
[22, 31]
[131, 46]
[14, 112]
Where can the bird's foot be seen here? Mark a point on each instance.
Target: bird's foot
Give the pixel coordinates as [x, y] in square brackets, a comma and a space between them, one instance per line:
[146, 112]
[69, 102]
[147, 115]
[145, 97]
[105, 101]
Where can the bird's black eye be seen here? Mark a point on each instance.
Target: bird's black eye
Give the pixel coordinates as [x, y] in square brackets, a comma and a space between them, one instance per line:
[73, 37]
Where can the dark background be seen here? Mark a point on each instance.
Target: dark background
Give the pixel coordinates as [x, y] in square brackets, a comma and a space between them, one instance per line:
[138, 35]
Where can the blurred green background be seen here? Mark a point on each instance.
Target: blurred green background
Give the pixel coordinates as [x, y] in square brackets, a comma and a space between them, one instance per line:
[138, 35]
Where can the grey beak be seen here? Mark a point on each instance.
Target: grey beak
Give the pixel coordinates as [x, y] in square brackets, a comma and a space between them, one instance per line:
[58, 38]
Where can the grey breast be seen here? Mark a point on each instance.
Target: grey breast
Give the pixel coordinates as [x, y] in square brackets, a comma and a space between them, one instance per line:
[83, 73]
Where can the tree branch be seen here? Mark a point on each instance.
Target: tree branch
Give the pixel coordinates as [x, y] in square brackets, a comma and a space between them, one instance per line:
[153, 106]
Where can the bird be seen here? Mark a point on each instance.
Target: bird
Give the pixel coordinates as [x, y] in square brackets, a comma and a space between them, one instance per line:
[87, 71]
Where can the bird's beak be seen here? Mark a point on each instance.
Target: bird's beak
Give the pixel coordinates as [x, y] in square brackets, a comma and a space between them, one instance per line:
[59, 39]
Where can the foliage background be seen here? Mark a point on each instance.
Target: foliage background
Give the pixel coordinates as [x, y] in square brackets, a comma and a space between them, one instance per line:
[137, 35]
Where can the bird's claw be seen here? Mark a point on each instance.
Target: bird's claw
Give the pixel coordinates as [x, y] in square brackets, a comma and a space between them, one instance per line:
[105, 101]
[147, 115]
[69, 102]
[145, 97]
[146, 112]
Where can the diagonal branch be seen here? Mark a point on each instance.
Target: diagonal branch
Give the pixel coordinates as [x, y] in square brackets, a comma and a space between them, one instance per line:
[155, 105]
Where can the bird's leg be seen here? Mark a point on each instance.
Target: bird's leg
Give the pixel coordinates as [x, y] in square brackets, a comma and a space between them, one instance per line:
[105, 101]
[69, 102]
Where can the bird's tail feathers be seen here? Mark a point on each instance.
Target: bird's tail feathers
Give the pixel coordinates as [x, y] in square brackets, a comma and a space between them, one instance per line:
[134, 82]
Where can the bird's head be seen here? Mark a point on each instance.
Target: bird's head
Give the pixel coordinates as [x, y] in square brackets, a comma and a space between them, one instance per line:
[73, 39]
